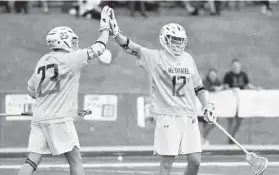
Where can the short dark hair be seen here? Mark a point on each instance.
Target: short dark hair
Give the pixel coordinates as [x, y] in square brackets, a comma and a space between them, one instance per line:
[235, 61]
[212, 70]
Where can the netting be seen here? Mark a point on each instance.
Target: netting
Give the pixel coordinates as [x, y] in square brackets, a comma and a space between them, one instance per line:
[257, 164]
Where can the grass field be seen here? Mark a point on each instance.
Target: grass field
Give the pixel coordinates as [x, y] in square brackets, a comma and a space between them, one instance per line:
[213, 42]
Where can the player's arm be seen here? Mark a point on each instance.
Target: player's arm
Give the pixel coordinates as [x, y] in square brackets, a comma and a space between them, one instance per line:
[100, 45]
[207, 107]
[200, 91]
[128, 45]
[203, 96]
[31, 87]
[79, 59]
[125, 43]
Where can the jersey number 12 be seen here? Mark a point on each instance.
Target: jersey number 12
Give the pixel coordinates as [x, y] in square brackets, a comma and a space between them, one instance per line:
[42, 70]
[176, 91]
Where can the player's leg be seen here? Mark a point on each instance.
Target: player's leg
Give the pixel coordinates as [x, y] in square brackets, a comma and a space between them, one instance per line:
[31, 164]
[63, 139]
[194, 160]
[191, 145]
[166, 164]
[166, 141]
[37, 146]
[75, 161]
[206, 129]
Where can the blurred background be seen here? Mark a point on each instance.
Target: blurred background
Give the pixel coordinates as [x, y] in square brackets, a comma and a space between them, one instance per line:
[234, 43]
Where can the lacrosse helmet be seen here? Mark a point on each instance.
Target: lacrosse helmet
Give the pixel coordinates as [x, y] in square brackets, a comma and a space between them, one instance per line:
[62, 38]
[173, 38]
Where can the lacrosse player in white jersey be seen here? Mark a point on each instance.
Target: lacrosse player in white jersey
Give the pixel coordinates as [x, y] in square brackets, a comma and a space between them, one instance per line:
[54, 84]
[174, 84]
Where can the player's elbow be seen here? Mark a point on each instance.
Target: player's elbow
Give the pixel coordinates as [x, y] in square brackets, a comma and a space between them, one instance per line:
[96, 50]
[199, 90]
[31, 92]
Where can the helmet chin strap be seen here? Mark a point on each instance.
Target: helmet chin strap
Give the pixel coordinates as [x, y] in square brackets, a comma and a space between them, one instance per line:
[173, 56]
[58, 50]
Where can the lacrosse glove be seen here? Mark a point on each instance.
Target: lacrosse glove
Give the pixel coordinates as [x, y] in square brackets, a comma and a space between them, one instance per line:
[105, 18]
[114, 28]
[208, 112]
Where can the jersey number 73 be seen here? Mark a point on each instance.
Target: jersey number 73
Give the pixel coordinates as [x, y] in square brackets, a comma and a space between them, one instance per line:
[42, 70]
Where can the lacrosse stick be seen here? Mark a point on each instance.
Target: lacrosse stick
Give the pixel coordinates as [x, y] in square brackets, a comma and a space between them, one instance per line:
[81, 114]
[13, 115]
[257, 164]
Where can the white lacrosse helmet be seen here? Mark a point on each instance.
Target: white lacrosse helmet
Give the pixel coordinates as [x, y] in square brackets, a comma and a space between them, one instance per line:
[62, 38]
[173, 38]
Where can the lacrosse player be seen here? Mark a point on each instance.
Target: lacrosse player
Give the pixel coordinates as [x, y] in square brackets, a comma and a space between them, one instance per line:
[54, 84]
[174, 85]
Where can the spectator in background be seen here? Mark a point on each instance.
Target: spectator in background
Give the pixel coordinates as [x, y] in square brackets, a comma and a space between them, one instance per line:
[43, 3]
[196, 8]
[137, 5]
[236, 79]
[235, 4]
[21, 6]
[87, 8]
[6, 5]
[143, 7]
[266, 9]
[212, 83]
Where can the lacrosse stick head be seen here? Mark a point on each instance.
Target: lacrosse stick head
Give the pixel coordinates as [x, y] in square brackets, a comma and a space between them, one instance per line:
[257, 164]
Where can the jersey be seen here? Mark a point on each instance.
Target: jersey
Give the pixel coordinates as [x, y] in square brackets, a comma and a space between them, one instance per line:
[173, 82]
[55, 82]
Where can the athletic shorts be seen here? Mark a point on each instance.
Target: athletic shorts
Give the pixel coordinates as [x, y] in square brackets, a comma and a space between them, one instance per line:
[177, 135]
[54, 138]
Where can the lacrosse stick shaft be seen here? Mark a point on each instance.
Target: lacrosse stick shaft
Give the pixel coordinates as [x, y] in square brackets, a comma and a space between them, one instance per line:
[82, 113]
[233, 139]
[13, 115]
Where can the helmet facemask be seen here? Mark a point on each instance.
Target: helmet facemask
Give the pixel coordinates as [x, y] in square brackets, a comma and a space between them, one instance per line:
[75, 44]
[74, 40]
[175, 45]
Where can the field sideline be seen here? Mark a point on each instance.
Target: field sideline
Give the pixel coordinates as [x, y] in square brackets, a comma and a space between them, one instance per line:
[223, 165]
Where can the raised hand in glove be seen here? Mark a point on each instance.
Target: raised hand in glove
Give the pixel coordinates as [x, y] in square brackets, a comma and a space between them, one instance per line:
[105, 18]
[113, 25]
[208, 112]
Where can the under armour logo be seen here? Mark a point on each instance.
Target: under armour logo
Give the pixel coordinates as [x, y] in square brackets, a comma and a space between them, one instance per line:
[47, 58]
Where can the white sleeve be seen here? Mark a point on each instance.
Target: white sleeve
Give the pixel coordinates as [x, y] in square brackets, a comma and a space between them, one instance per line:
[77, 59]
[147, 58]
[196, 77]
[31, 87]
